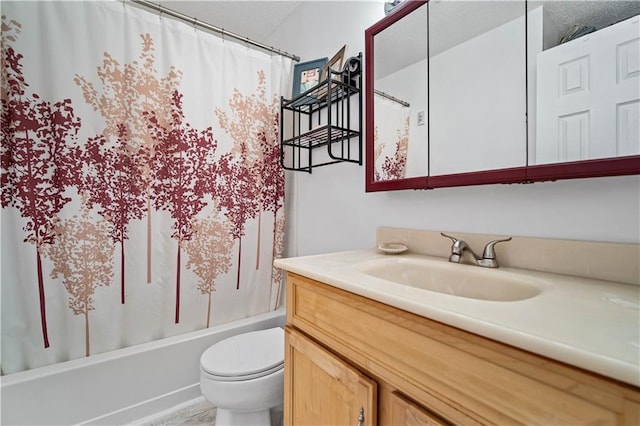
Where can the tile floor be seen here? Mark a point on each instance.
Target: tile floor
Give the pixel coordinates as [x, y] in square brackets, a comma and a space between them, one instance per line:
[196, 412]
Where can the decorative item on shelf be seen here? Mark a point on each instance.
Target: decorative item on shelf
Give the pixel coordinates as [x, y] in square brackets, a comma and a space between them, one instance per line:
[351, 71]
[306, 75]
[334, 64]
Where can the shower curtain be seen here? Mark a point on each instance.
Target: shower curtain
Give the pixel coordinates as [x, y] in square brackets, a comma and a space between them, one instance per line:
[391, 138]
[142, 195]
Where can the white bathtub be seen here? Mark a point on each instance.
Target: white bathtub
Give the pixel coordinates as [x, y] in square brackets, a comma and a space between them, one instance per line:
[121, 386]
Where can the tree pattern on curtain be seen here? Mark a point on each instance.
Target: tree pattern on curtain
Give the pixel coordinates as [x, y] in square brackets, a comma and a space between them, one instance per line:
[393, 166]
[254, 127]
[277, 274]
[238, 197]
[180, 158]
[127, 95]
[112, 182]
[147, 158]
[81, 256]
[210, 250]
[39, 156]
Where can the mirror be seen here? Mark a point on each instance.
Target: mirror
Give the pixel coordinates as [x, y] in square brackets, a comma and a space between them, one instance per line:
[477, 117]
[396, 98]
[400, 98]
[504, 102]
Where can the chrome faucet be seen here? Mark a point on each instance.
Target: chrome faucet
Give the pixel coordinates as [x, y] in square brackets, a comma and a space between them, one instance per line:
[488, 259]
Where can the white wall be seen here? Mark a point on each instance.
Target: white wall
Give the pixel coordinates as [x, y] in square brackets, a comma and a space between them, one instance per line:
[329, 210]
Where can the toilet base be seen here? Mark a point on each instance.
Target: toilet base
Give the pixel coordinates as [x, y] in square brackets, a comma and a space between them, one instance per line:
[235, 418]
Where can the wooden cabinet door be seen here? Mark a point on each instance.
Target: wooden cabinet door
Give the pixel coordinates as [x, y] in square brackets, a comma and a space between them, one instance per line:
[407, 413]
[321, 389]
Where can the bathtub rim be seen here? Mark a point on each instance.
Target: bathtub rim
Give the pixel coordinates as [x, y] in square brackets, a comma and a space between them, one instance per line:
[17, 384]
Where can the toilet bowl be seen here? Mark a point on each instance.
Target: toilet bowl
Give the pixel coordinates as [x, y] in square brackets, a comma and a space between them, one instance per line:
[243, 377]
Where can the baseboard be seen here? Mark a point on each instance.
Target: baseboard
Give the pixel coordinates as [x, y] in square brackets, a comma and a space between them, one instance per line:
[135, 414]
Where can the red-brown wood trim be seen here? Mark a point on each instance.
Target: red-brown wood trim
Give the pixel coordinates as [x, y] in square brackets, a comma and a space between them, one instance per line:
[402, 10]
[389, 185]
[620, 166]
[485, 177]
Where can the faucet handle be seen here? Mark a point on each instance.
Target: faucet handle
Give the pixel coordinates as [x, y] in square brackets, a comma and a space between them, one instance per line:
[452, 238]
[457, 248]
[489, 251]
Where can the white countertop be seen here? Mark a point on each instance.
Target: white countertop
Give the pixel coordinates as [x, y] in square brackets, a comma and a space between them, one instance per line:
[587, 323]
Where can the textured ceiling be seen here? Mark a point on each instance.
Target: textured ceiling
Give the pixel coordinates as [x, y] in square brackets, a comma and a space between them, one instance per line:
[598, 14]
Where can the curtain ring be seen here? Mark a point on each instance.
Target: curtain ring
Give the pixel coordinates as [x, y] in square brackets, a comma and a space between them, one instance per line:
[195, 24]
[160, 15]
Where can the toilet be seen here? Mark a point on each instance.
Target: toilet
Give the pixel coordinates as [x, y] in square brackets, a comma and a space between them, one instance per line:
[243, 377]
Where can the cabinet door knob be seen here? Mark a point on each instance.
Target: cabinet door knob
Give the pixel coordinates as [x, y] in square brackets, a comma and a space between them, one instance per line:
[361, 417]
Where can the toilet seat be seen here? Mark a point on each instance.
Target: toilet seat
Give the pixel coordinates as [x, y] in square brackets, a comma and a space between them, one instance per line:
[245, 356]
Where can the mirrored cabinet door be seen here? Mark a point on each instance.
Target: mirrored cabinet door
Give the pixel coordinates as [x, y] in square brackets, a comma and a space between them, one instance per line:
[477, 96]
[399, 100]
[584, 81]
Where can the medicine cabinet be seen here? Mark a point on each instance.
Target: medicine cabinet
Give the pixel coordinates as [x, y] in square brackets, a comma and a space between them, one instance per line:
[483, 92]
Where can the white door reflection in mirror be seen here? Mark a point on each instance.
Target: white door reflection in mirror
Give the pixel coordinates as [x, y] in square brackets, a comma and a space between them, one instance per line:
[588, 96]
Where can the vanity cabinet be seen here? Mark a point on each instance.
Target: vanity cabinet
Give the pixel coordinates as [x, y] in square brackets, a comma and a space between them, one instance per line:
[322, 388]
[345, 352]
[405, 412]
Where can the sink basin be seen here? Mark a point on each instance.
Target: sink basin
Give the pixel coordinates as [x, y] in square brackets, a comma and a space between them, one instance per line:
[453, 279]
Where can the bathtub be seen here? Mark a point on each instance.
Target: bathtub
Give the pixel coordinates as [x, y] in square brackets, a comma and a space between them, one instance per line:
[121, 386]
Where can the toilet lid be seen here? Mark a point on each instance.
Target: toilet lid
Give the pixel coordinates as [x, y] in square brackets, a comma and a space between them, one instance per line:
[245, 356]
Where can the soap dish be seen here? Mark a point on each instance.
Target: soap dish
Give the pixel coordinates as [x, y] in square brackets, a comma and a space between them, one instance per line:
[392, 248]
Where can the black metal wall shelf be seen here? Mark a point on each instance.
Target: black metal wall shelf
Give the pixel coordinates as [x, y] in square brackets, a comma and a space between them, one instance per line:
[327, 115]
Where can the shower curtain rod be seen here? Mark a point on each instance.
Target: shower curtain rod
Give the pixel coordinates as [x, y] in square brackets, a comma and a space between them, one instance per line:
[392, 98]
[222, 31]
